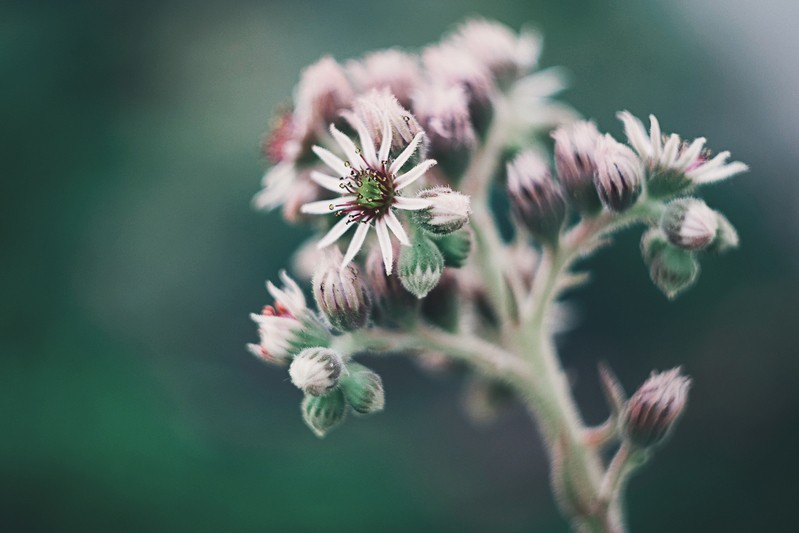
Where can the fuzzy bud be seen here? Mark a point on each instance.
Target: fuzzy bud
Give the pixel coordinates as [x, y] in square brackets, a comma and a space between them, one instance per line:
[535, 197]
[651, 413]
[726, 236]
[390, 69]
[323, 92]
[671, 269]
[455, 248]
[363, 389]
[618, 175]
[420, 266]
[689, 223]
[323, 413]
[443, 112]
[316, 370]
[449, 211]
[340, 294]
[376, 106]
[575, 146]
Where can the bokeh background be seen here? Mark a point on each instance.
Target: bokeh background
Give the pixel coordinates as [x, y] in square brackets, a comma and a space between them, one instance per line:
[131, 259]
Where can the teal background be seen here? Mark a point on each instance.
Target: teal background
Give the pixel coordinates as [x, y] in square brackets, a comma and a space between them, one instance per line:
[131, 259]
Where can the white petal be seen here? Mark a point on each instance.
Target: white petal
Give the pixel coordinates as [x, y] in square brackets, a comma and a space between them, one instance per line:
[669, 154]
[411, 204]
[385, 144]
[408, 152]
[395, 226]
[655, 136]
[719, 160]
[691, 153]
[348, 146]
[335, 232]
[367, 143]
[323, 207]
[385, 245]
[722, 173]
[636, 134]
[332, 161]
[355, 243]
[277, 184]
[328, 182]
[413, 174]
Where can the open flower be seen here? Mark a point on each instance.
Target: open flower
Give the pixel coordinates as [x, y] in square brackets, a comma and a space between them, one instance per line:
[371, 184]
[672, 164]
[285, 326]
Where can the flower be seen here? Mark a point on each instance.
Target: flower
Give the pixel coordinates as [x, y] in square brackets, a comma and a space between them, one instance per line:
[575, 145]
[285, 326]
[536, 198]
[674, 165]
[340, 293]
[689, 223]
[316, 370]
[371, 186]
[448, 212]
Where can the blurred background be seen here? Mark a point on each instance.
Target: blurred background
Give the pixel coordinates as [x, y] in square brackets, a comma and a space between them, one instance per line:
[131, 259]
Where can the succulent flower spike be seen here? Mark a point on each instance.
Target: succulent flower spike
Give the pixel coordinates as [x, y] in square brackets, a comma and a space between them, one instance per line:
[689, 223]
[340, 294]
[575, 147]
[535, 197]
[673, 165]
[652, 412]
[618, 175]
[287, 326]
[371, 184]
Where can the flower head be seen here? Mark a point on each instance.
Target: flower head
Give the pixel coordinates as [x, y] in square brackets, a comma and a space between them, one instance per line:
[370, 183]
[284, 326]
[674, 165]
[653, 410]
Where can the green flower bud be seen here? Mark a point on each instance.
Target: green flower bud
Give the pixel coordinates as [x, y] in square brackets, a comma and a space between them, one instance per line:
[363, 389]
[651, 413]
[455, 248]
[323, 413]
[689, 223]
[316, 370]
[671, 269]
[420, 266]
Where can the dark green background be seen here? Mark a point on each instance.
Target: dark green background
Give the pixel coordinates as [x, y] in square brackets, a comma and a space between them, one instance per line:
[131, 259]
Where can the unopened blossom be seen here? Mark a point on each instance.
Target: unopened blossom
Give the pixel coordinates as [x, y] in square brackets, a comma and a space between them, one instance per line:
[449, 210]
[443, 112]
[503, 52]
[323, 92]
[619, 176]
[376, 107]
[536, 199]
[371, 184]
[391, 69]
[673, 164]
[652, 412]
[280, 326]
[575, 147]
[341, 294]
[316, 370]
[689, 223]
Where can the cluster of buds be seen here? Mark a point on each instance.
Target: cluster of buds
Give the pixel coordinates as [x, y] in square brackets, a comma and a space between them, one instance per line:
[374, 152]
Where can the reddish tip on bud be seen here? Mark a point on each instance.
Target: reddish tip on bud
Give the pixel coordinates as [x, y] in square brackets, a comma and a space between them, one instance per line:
[652, 412]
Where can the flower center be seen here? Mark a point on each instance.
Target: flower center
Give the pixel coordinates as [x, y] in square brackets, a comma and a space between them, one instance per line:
[374, 193]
